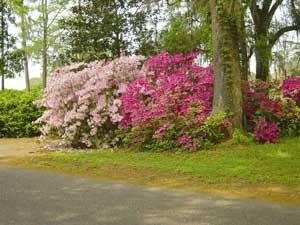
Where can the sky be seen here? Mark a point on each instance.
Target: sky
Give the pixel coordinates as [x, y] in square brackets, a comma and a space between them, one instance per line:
[19, 82]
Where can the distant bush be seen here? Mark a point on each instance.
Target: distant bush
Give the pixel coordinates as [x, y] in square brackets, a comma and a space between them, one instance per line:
[17, 113]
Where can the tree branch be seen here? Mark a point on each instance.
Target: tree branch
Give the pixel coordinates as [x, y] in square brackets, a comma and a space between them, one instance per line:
[254, 11]
[54, 18]
[279, 33]
[267, 5]
[273, 10]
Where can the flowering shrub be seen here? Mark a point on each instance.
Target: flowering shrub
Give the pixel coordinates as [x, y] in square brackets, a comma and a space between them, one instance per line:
[165, 104]
[170, 104]
[291, 89]
[170, 86]
[173, 136]
[266, 131]
[271, 110]
[82, 100]
[262, 100]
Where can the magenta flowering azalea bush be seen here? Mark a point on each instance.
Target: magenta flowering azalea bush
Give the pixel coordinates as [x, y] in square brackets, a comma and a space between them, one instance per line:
[82, 101]
[168, 107]
[266, 131]
[262, 99]
[170, 86]
[291, 89]
[271, 110]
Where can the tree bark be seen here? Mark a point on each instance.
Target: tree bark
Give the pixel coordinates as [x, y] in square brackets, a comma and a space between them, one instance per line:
[2, 47]
[227, 69]
[45, 42]
[244, 50]
[24, 46]
[263, 59]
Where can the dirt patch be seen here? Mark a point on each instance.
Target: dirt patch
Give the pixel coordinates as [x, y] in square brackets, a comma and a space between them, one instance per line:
[12, 148]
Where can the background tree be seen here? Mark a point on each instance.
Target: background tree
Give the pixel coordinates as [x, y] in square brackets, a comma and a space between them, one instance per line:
[286, 59]
[268, 30]
[21, 10]
[45, 38]
[11, 58]
[106, 29]
[188, 28]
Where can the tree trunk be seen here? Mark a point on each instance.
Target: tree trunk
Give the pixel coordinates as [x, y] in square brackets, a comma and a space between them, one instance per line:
[24, 46]
[45, 42]
[2, 48]
[227, 69]
[263, 54]
[243, 50]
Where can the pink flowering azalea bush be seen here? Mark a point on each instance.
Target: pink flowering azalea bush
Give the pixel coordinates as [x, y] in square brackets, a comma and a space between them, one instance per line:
[169, 106]
[272, 110]
[82, 101]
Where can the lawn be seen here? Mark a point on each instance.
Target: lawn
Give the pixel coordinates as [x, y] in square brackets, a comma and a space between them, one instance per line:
[260, 171]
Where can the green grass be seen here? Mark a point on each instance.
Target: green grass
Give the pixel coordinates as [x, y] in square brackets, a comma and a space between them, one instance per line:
[252, 167]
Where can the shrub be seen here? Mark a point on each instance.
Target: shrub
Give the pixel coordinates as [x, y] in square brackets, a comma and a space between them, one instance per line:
[272, 110]
[169, 106]
[291, 89]
[240, 137]
[82, 101]
[266, 131]
[175, 136]
[17, 113]
[289, 122]
[170, 86]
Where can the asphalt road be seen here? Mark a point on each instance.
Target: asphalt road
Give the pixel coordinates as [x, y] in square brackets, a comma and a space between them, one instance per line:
[40, 198]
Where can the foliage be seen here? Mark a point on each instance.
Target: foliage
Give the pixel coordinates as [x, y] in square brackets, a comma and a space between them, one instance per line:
[186, 133]
[181, 38]
[240, 137]
[10, 58]
[106, 29]
[188, 28]
[17, 113]
[82, 100]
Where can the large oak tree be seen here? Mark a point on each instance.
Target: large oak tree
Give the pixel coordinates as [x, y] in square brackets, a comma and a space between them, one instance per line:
[226, 26]
[267, 32]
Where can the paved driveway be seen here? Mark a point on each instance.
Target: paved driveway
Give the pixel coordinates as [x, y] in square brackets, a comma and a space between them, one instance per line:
[41, 198]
